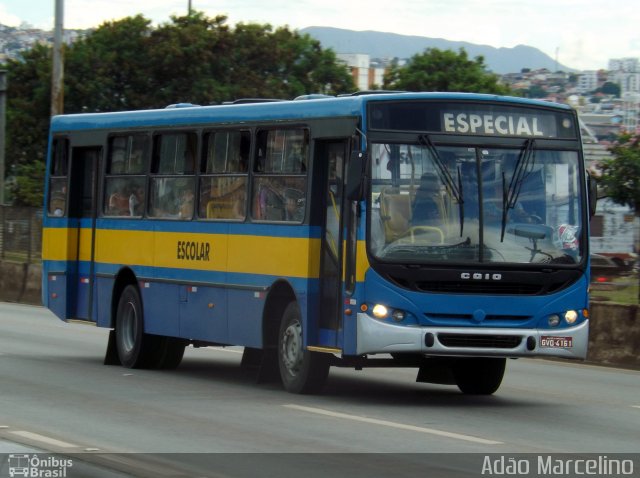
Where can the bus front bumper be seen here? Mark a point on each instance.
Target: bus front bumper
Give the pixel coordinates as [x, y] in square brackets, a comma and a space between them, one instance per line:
[375, 336]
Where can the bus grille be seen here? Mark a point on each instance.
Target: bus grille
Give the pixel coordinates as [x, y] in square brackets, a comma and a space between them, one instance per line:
[480, 341]
[449, 282]
[440, 316]
[495, 288]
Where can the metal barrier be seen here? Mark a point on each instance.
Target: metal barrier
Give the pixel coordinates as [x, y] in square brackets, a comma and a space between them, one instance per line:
[20, 234]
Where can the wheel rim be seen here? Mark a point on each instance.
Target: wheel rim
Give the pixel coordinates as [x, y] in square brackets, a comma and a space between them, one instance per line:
[129, 326]
[291, 352]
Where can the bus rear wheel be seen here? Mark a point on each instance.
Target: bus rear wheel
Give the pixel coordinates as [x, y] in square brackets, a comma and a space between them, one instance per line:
[170, 352]
[301, 371]
[478, 376]
[135, 348]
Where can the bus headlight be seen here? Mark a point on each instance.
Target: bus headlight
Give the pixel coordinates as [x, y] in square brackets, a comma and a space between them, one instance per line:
[554, 320]
[379, 311]
[570, 316]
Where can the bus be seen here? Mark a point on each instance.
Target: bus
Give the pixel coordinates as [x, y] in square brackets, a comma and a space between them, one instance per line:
[441, 231]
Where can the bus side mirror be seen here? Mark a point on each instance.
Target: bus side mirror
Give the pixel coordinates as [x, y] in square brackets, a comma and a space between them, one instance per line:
[354, 190]
[592, 184]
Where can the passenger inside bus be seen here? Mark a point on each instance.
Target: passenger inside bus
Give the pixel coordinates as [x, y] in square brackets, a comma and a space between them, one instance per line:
[119, 204]
[186, 204]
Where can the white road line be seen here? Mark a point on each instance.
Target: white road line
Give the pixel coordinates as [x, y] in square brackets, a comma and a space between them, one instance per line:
[401, 426]
[635, 406]
[44, 439]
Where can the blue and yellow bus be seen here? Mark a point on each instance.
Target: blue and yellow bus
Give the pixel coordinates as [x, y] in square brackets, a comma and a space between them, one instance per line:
[441, 231]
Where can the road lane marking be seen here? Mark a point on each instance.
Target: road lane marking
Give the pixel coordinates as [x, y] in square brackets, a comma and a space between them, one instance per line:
[386, 423]
[635, 406]
[44, 439]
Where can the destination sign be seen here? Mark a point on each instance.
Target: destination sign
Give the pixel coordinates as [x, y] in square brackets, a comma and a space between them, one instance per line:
[473, 118]
[499, 124]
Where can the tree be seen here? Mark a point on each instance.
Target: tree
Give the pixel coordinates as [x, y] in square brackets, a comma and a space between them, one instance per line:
[188, 61]
[610, 88]
[621, 174]
[28, 100]
[443, 70]
[128, 64]
[108, 70]
[621, 177]
[536, 91]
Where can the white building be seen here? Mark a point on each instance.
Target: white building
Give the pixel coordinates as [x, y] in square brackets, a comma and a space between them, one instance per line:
[626, 65]
[365, 76]
[629, 82]
[587, 81]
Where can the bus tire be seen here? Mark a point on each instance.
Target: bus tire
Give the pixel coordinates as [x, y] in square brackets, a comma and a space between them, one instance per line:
[172, 351]
[479, 376]
[301, 371]
[135, 348]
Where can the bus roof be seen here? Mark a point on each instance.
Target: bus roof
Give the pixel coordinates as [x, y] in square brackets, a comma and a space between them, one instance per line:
[327, 107]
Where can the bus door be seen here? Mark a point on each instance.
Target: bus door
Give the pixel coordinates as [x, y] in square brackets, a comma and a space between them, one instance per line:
[332, 155]
[82, 225]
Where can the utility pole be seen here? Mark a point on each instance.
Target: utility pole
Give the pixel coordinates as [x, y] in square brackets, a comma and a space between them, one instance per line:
[3, 115]
[57, 80]
[189, 9]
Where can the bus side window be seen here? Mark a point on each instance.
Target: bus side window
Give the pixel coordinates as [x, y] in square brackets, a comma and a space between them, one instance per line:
[58, 182]
[280, 175]
[172, 183]
[223, 175]
[125, 181]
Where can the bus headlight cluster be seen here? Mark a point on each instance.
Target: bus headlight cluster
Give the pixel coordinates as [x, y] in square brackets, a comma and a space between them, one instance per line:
[380, 311]
[570, 317]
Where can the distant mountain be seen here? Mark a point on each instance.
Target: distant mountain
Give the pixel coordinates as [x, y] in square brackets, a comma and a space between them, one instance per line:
[390, 45]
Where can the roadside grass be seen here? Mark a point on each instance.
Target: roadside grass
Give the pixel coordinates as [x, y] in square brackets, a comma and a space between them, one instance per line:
[623, 290]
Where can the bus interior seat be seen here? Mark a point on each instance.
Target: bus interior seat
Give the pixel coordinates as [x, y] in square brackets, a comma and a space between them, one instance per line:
[427, 207]
[395, 211]
[221, 209]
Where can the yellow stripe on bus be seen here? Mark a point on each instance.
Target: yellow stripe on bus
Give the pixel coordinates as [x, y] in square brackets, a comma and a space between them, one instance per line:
[59, 244]
[279, 256]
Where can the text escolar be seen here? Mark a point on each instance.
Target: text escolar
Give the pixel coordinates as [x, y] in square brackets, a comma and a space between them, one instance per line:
[193, 251]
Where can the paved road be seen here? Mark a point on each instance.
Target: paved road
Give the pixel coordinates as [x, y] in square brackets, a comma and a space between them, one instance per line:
[55, 395]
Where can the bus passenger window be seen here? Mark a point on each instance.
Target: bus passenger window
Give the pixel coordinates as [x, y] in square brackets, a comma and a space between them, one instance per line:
[172, 197]
[279, 191]
[223, 175]
[124, 196]
[57, 196]
[175, 153]
[125, 182]
[58, 182]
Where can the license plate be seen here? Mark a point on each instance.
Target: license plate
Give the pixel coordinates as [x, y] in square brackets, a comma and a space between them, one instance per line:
[552, 342]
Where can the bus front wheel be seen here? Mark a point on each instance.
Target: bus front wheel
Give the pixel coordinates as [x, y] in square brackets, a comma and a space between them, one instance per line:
[301, 371]
[478, 376]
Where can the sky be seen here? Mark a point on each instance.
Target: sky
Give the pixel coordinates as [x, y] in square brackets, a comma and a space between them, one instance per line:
[582, 34]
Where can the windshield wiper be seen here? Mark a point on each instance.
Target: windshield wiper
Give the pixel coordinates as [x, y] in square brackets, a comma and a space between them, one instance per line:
[524, 167]
[454, 189]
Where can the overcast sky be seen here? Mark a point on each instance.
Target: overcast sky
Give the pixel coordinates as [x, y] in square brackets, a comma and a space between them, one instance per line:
[584, 34]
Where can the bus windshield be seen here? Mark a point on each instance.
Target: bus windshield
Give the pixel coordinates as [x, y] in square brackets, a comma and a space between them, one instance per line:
[472, 204]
